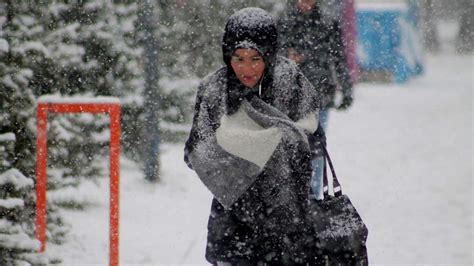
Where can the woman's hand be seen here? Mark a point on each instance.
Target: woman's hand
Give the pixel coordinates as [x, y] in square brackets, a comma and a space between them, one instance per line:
[345, 103]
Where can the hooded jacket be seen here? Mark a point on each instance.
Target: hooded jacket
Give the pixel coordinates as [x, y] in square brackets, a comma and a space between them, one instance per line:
[250, 28]
[251, 150]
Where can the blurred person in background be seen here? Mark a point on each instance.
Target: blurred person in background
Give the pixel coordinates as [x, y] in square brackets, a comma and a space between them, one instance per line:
[315, 43]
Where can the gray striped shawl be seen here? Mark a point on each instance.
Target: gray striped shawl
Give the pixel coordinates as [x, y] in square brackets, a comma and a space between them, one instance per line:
[228, 152]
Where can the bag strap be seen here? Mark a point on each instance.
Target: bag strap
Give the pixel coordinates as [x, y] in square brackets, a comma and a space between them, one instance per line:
[336, 185]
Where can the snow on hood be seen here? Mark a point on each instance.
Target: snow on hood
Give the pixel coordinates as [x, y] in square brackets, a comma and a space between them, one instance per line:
[251, 28]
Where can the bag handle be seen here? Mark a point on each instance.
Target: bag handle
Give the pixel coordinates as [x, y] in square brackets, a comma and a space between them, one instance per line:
[336, 185]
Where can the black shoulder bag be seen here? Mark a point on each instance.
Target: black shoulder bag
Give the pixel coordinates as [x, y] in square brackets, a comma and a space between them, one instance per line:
[341, 234]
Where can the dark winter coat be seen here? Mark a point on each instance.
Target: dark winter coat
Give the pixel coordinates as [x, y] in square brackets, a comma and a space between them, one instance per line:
[319, 39]
[261, 190]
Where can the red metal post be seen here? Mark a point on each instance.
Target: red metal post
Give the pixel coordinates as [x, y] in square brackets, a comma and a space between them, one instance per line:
[113, 109]
[41, 166]
[114, 183]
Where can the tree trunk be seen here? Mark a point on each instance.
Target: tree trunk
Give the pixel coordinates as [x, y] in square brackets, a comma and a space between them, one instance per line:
[151, 136]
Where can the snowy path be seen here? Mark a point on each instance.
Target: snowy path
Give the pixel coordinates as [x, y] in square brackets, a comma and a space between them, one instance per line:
[403, 154]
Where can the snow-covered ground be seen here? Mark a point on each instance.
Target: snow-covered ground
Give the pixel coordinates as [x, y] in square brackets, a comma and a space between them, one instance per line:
[403, 154]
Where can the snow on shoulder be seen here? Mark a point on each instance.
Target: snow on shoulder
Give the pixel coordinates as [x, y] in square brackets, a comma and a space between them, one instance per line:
[56, 98]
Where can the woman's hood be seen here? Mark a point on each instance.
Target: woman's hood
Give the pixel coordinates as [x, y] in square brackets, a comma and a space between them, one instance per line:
[251, 28]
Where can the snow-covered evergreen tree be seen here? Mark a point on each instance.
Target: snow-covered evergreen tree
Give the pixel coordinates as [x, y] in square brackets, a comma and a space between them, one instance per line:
[22, 56]
[91, 56]
[16, 99]
[17, 246]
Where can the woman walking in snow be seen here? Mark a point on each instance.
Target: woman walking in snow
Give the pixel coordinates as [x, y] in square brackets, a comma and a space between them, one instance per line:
[249, 145]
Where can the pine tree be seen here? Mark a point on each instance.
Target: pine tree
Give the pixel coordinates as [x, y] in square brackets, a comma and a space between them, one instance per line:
[17, 246]
[22, 52]
[83, 48]
[67, 49]
[90, 55]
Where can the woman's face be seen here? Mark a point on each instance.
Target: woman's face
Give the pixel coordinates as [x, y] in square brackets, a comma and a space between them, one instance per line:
[248, 66]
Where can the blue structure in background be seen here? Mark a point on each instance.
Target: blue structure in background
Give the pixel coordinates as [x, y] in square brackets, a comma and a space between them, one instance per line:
[388, 40]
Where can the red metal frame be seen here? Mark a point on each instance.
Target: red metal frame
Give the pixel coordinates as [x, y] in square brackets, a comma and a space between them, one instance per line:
[113, 109]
